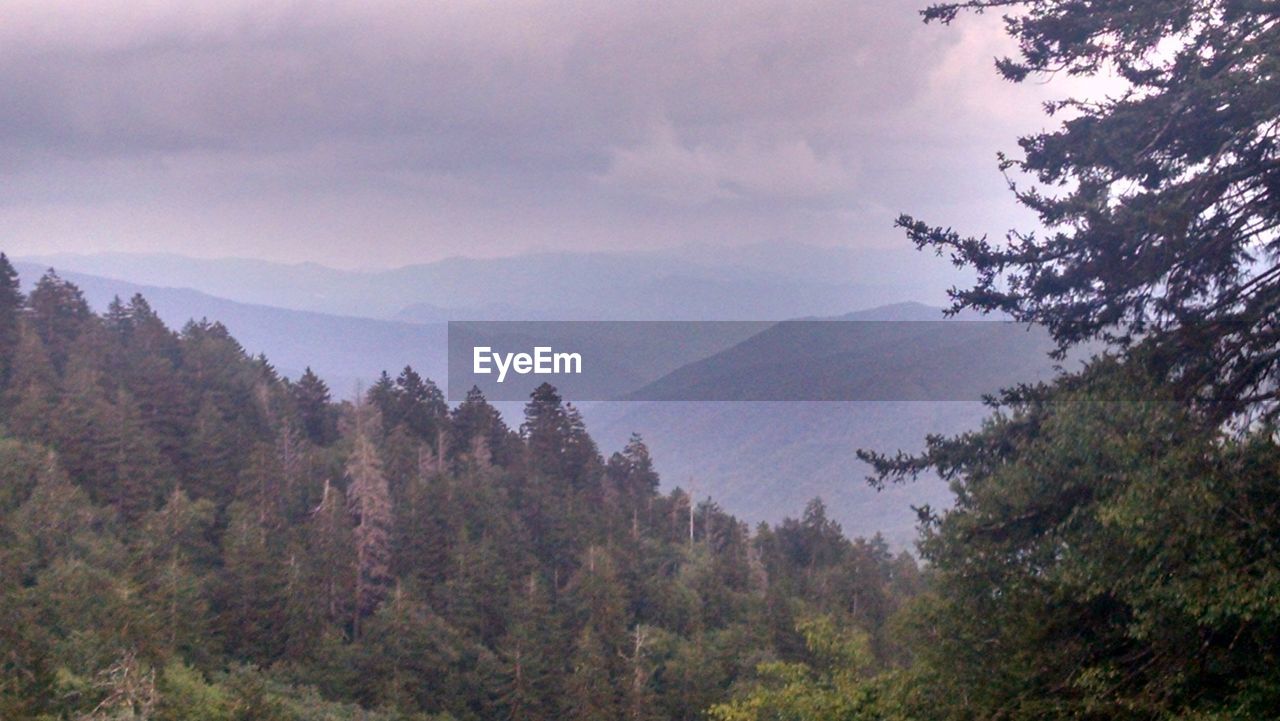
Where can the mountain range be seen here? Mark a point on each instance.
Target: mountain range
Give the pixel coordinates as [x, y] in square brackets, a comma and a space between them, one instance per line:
[345, 351]
[764, 282]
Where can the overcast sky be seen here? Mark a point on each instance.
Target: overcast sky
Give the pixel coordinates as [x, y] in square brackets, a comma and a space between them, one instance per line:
[381, 133]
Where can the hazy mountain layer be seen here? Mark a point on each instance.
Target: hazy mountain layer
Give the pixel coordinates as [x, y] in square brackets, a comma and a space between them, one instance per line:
[342, 350]
[767, 282]
[761, 458]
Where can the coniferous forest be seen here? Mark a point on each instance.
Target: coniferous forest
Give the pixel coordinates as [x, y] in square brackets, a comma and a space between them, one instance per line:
[187, 535]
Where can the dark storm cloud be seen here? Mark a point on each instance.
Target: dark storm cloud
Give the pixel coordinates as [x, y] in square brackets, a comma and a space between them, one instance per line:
[432, 128]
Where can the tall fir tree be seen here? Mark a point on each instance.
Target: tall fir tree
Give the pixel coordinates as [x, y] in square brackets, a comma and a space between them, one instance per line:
[528, 656]
[311, 395]
[1158, 200]
[59, 314]
[369, 498]
[11, 304]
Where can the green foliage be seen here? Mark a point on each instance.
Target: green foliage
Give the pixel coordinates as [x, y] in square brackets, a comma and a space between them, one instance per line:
[831, 687]
[184, 534]
[11, 302]
[185, 695]
[1106, 558]
[1111, 553]
[1158, 200]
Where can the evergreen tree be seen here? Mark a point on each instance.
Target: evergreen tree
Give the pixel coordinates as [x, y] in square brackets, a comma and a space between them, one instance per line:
[11, 303]
[174, 544]
[1159, 200]
[589, 692]
[476, 429]
[426, 523]
[528, 654]
[331, 558]
[382, 396]
[370, 503]
[251, 599]
[421, 406]
[214, 457]
[311, 396]
[59, 314]
[410, 657]
[57, 520]
[105, 447]
[33, 388]
[147, 363]
[634, 483]
[1105, 561]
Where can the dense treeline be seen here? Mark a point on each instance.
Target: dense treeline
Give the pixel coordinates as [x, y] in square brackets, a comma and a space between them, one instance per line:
[184, 534]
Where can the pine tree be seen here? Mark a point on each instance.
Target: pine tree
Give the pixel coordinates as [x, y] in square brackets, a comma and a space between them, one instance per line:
[57, 520]
[331, 556]
[149, 356]
[33, 388]
[251, 598]
[320, 585]
[478, 586]
[140, 477]
[420, 405]
[476, 429]
[427, 521]
[1158, 200]
[214, 454]
[58, 314]
[311, 396]
[382, 396]
[11, 303]
[589, 692]
[409, 657]
[528, 654]
[174, 545]
[633, 484]
[370, 502]
[261, 485]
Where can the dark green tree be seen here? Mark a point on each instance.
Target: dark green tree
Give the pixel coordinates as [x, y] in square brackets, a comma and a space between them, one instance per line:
[421, 406]
[59, 315]
[251, 597]
[1103, 559]
[528, 655]
[1159, 200]
[319, 421]
[589, 693]
[170, 560]
[11, 304]
[476, 429]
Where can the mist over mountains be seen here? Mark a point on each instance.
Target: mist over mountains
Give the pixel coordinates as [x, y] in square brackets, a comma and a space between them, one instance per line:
[760, 282]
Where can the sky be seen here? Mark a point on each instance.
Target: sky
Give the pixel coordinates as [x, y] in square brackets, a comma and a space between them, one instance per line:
[374, 134]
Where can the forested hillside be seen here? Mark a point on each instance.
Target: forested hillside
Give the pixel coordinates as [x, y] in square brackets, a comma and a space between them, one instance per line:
[184, 534]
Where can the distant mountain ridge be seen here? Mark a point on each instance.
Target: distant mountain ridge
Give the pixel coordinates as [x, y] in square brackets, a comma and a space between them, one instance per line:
[345, 351]
[758, 457]
[751, 283]
[860, 358]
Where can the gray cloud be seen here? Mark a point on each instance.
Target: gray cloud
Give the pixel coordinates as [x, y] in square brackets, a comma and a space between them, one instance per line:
[408, 130]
